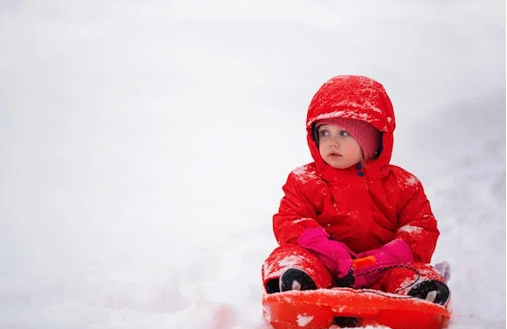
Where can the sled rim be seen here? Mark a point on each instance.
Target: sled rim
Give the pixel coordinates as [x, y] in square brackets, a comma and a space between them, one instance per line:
[285, 310]
[365, 301]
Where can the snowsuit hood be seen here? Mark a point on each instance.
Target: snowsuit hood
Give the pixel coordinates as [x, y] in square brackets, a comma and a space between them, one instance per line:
[353, 97]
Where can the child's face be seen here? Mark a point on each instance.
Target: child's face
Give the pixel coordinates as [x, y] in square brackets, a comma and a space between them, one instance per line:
[338, 148]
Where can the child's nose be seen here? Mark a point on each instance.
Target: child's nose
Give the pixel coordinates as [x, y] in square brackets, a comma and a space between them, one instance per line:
[335, 141]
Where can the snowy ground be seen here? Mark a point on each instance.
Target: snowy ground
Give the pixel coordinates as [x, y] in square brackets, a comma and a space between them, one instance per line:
[144, 146]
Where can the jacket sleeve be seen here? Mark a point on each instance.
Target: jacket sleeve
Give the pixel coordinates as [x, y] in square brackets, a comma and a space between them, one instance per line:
[296, 213]
[417, 224]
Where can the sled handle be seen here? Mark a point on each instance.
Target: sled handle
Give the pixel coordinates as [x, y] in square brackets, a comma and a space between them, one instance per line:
[363, 262]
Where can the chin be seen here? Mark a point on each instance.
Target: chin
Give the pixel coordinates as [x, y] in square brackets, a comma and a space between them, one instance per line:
[337, 166]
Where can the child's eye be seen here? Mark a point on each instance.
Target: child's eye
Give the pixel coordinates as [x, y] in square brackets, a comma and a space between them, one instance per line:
[324, 133]
[344, 133]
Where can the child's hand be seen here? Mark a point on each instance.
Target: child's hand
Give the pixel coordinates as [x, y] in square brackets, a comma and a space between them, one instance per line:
[371, 265]
[333, 254]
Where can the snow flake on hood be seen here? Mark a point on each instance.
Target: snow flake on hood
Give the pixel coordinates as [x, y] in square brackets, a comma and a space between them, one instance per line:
[347, 114]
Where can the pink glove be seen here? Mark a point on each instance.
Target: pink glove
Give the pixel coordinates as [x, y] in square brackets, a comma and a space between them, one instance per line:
[333, 254]
[377, 262]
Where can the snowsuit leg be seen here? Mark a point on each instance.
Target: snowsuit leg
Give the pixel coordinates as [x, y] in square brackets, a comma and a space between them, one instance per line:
[293, 256]
[401, 280]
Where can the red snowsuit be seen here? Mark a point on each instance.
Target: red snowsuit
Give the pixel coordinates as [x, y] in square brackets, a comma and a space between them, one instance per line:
[365, 206]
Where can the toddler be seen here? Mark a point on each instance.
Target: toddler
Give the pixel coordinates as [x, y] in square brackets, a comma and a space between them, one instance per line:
[350, 218]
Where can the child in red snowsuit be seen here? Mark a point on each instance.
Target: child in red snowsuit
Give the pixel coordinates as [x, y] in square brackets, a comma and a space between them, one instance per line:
[350, 218]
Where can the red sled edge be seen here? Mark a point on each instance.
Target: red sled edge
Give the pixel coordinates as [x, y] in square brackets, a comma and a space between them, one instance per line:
[319, 309]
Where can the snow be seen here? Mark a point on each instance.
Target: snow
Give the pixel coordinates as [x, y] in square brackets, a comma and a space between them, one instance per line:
[409, 229]
[144, 146]
[304, 320]
[305, 174]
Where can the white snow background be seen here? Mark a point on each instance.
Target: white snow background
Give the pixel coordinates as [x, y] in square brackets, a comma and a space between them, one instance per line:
[144, 146]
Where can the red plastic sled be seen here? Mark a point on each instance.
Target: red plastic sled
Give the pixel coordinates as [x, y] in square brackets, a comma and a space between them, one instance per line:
[345, 307]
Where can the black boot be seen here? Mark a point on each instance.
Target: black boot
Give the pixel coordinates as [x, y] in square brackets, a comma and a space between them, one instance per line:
[295, 279]
[432, 291]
